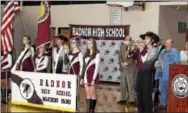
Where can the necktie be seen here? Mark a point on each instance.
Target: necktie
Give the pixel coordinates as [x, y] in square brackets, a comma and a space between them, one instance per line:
[57, 50]
[38, 57]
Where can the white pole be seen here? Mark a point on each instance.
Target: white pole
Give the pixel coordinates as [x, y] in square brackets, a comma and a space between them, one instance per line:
[22, 21]
[21, 4]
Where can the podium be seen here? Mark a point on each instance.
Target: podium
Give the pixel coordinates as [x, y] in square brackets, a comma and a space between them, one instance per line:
[178, 88]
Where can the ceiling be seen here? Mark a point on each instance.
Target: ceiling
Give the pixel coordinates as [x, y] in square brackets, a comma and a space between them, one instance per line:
[33, 3]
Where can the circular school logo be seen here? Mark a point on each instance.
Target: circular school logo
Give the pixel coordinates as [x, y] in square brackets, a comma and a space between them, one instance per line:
[26, 88]
[180, 86]
[44, 11]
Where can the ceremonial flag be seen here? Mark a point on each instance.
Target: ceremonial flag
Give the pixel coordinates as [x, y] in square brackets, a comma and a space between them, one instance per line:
[11, 8]
[43, 33]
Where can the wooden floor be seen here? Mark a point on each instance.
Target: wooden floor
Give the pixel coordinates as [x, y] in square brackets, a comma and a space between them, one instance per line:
[15, 108]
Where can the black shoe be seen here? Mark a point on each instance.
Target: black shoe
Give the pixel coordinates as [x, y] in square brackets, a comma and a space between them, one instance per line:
[121, 102]
[93, 104]
[161, 108]
[156, 98]
[88, 102]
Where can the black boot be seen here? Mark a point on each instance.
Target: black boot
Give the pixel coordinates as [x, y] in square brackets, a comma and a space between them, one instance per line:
[93, 104]
[88, 103]
[3, 96]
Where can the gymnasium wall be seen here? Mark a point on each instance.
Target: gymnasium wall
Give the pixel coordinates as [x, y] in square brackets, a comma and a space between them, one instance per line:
[93, 14]
[168, 24]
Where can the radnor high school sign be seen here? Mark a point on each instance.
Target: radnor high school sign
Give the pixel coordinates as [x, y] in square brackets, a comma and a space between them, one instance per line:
[98, 32]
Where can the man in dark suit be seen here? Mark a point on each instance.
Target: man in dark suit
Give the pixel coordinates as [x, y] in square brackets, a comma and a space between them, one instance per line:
[160, 47]
[157, 74]
[60, 56]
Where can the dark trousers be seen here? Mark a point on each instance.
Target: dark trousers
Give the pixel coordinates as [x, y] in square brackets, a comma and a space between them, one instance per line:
[144, 92]
[156, 92]
[156, 89]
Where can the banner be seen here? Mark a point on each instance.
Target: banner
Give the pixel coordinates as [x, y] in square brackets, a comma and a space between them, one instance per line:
[44, 90]
[43, 32]
[109, 39]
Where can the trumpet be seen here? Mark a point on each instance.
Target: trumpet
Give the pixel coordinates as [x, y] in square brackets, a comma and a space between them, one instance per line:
[131, 47]
[139, 44]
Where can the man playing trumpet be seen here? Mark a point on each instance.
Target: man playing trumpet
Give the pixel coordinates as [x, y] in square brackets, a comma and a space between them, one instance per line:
[127, 70]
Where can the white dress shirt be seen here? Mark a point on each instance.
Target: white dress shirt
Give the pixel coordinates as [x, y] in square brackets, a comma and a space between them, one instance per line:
[56, 57]
[183, 55]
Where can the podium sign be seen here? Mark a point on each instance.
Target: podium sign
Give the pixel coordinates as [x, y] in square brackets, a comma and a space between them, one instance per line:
[178, 88]
[44, 90]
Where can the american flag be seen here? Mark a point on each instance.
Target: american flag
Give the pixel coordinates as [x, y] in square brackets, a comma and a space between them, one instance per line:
[11, 8]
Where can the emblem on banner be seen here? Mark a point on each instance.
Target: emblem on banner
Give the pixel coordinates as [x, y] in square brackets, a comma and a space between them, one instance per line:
[180, 86]
[107, 52]
[112, 44]
[116, 52]
[110, 61]
[103, 43]
[102, 60]
[26, 89]
[115, 69]
[44, 11]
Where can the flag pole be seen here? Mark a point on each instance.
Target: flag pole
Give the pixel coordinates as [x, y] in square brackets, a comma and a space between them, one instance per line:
[186, 32]
[21, 17]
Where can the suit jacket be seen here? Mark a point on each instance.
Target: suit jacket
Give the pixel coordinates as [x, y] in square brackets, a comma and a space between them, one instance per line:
[60, 61]
[158, 72]
[123, 56]
[160, 49]
[146, 69]
[150, 59]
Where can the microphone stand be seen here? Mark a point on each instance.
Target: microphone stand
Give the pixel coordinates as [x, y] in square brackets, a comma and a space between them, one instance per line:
[77, 89]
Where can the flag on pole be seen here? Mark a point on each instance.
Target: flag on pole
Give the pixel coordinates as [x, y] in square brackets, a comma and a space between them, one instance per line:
[43, 33]
[10, 9]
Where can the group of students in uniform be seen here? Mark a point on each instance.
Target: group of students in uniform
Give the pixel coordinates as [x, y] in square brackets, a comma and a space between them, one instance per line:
[64, 59]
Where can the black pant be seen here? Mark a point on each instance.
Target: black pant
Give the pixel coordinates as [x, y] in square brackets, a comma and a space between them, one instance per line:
[156, 87]
[144, 91]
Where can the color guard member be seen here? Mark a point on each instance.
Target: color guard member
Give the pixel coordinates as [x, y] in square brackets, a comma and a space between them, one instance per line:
[90, 76]
[25, 61]
[76, 57]
[41, 60]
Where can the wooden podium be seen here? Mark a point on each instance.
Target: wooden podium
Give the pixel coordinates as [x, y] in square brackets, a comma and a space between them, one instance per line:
[178, 88]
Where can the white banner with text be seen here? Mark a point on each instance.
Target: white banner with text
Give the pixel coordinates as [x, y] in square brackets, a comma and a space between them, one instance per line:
[44, 90]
